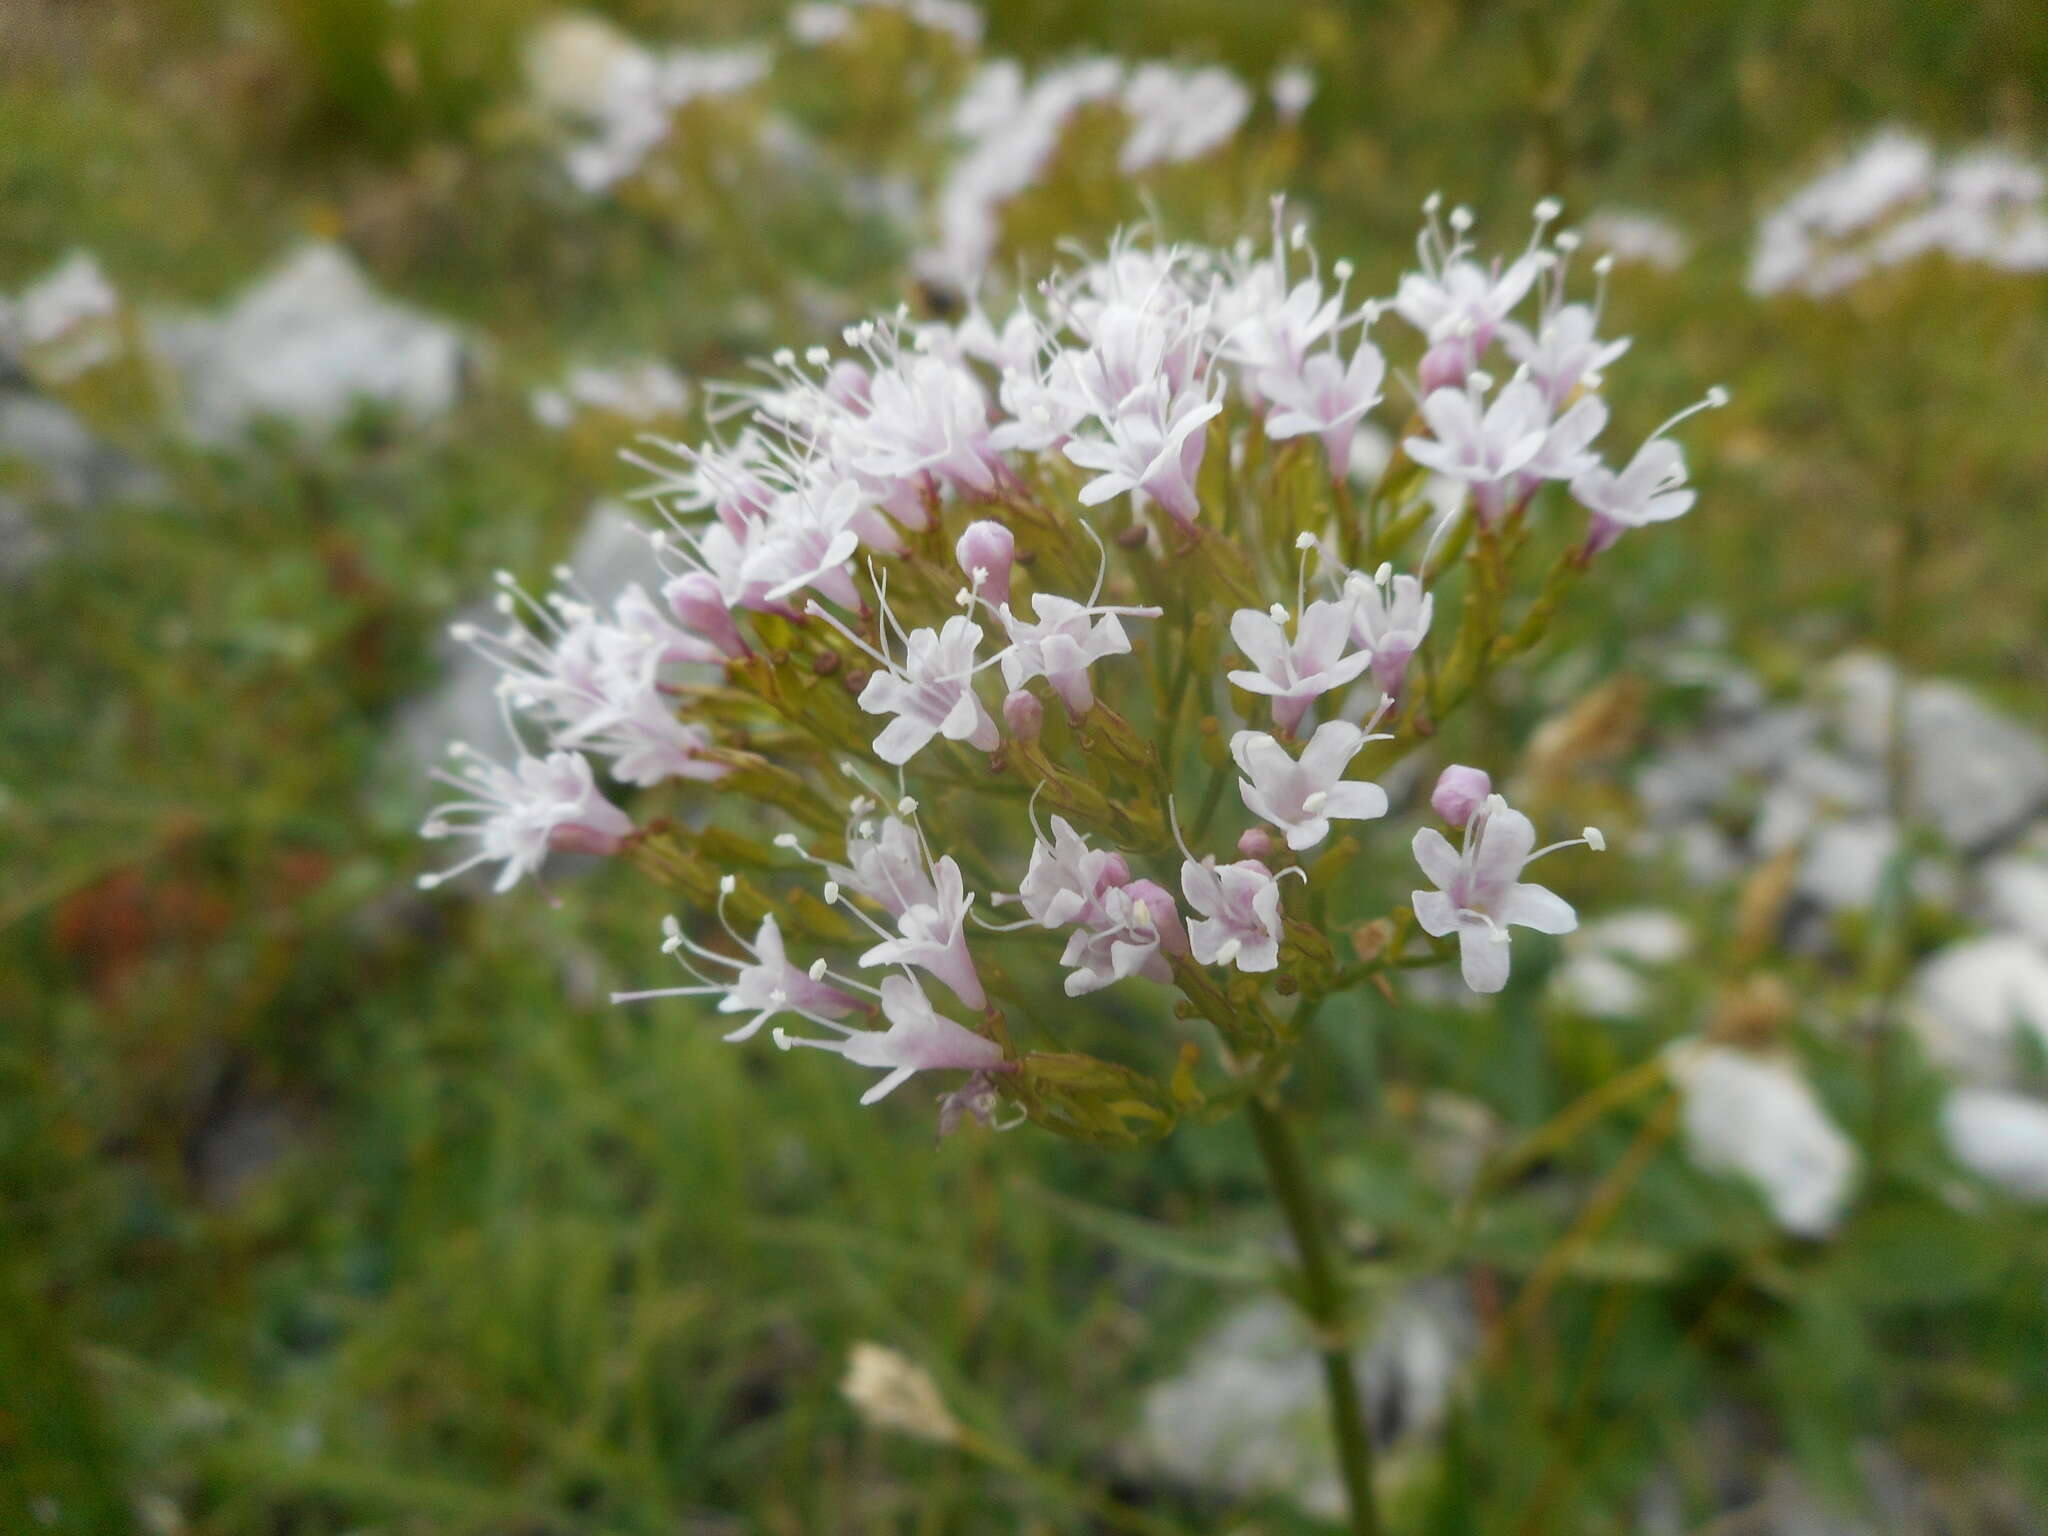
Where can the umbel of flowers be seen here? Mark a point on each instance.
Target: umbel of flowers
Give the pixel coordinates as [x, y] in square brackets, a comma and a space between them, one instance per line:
[1055, 654]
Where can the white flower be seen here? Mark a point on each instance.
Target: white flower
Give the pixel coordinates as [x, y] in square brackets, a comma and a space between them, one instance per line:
[1067, 880]
[1303, 797]
[1179, 114]
[1154, 443]
[932, 935]
[1296, 672]
[2001, 1137]
[1063, 643]
[1756, 1116]
[927, 416]
[1241, 923]
[1481, 893]
[1326, 397]
[518, 814]
[1131, 931]
[1650, 490]
[1484, 445]
[1564, 353]
[1390, 620]
[1464, 299]
[805, 541]
[763, 984]
[1631, 235]
[931, 692]
[887, 864]
[918, 1039]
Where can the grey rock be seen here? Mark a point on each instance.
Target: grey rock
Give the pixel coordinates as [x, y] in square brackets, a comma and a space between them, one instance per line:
[68, 463]
[1974, 774]
[305, 344]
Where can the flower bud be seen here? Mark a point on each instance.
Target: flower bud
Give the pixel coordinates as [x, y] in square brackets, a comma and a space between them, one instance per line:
[700, 609]
[578, 838]
[1447, 364]
[1158, 904]
[1024, 715]
[1256, 843]
[1459, 792]
[989, 548]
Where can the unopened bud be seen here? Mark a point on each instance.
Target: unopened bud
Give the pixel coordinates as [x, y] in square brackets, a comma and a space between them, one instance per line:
[987, 548]
[1447, 364]
[1257, 843]
[1459, 792]
[1024, 715]
[699, 607]
[1157, 903]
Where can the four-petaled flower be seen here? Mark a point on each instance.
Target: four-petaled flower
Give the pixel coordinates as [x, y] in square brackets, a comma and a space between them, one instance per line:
[1241, 922]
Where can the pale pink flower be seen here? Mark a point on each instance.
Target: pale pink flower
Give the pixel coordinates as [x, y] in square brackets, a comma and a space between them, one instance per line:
[1481, 893]
[1303, 796]
[918, 1039]
[1296, 671]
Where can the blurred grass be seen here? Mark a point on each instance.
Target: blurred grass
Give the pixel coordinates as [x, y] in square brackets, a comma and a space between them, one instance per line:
[332, 1209]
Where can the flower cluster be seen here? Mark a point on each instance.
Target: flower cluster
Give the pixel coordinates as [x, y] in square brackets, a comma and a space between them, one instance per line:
[967, 629]
[1895, 201]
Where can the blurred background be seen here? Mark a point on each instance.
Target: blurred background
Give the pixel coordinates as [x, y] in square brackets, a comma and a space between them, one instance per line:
[330, 1206]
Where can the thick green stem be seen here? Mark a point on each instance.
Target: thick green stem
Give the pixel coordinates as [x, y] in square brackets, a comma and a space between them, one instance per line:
[1323, 1297]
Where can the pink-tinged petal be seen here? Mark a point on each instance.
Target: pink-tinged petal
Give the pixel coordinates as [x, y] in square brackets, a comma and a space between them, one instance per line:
[1257, 682]
[1258, 637]
[1537, 907]
[1355, 800]
[1331, 749]
[1483, 957]
[888, 1085]
[1439, 860]
[902, 739]
[1504, 847]
[1434, 912]
[1256, 802]
[1306, 833]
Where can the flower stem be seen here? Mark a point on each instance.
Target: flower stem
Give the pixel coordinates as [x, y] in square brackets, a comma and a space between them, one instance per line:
[1322, 1296]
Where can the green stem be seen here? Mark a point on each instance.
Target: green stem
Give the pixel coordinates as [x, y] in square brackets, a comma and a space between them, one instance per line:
[1322, 1297]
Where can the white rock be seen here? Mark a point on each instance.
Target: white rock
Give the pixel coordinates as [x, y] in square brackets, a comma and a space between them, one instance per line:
[2001, 1137]
[1756, 1116]
[305, 344]
[1970, 999]
[1602, 970]
[1844, 863]
[1246, 1417]
[2015, 894]
[1975, 774]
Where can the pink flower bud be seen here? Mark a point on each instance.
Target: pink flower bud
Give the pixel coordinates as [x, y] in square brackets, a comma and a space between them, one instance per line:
[1024, 715]
[989, 548]
[575, 838]
[700, 609]
[1116, 870]
[1459, 792]
[1256, 843]
[1158, 904]
[1446, 364]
